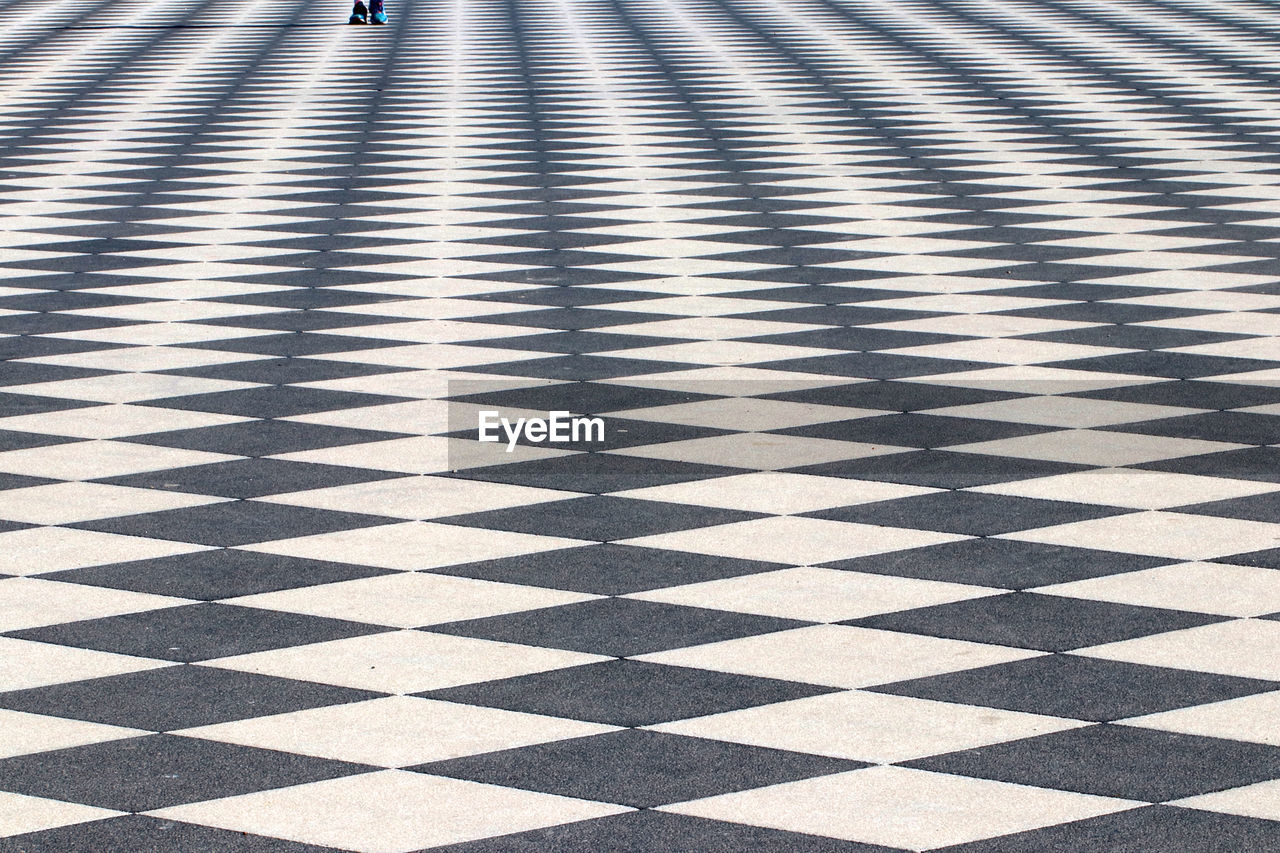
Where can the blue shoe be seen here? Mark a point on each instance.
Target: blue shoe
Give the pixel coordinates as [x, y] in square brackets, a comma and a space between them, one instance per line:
[379, 18]
[359, 14]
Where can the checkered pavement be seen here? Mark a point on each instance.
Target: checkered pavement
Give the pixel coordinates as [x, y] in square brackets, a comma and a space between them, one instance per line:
[936, 343]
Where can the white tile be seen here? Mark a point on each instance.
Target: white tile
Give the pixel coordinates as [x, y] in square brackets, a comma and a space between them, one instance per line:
[437, 355]
[144, 358]
[420, 498]
[391, 811]
[24, 664]
[31, 602]
[129, 387]
[414, 545]
[1248, 718]
[22, 733]
[746, 414]
[1131, 487]
[875, 727]
[20, 814]
[901, 808]
[1095, 447]
[398, 731]
[409, 599]
[797, 541]
[38, 550]
[1007, 351]
[91, 460]
[1216, 588]
[731, 381]
[1178, 536]
[723, 352]
[715, 328]
[404, 661]
[166, 333]
[1260, 800]
[114, 421]
[64, 503]
[1035, 379]
[981, 325]
[815, 594]
[840, 656]
[1249, 648]
[1061, 411]
[420, 455]
[416, 417]
[775, 492]
[759, 451]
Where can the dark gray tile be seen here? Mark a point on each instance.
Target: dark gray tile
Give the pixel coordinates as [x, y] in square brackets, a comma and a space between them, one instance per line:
[1117, 761]
[177, 697]
[234, 523]
[1234, 427]
[1080, 688]
[251, 478]
[647, 831]
[1254, 508]
[893, 396]
[595, 472]
[619, 627]
[971, 513]
[1154, 829]
[285, 371]
[263, 437]
[941, 469]
[1250, 463]
[638, 768]
[608, 569]
[600, 517]
[916, 430]
[1029, 620]
[196, 632]
[628, 693]
[1005, 563]
[154, 771]
[587, 398]
[215, 574]
[273, 401]
[141, 834]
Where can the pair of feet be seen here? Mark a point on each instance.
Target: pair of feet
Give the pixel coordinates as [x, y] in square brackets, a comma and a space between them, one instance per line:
[360, 14]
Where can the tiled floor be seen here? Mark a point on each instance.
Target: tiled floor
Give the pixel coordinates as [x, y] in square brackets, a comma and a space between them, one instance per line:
[938, 348]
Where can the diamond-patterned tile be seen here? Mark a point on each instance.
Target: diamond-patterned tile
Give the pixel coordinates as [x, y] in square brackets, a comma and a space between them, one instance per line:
[174, 697]
[137, 832]
[137, 774]
[1140, 830]
[935, 347]
[603, 767]
[628, 692]
[195, 632]
[391, 811]
[640, 831]
[867, 726]
[1082, 688]
[839, 656]
[402, 661]
[900, 807]
[618, 627]
[396, 731]
[1030, 620]
[1116, 761]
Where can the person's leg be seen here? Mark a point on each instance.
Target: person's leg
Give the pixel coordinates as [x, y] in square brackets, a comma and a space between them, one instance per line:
[359, 13]
[377, 15]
